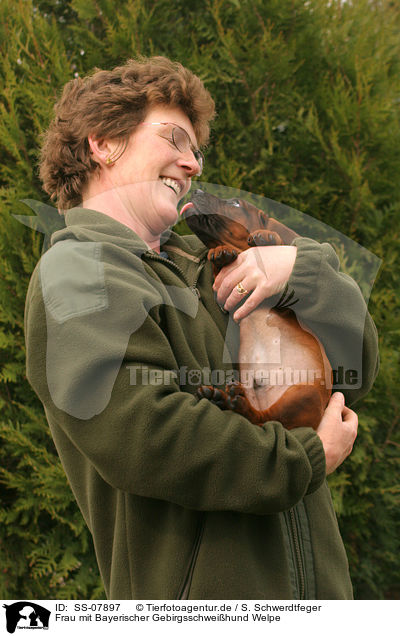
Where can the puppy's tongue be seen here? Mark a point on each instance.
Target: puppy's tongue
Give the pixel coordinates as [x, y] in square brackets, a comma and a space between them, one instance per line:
[187, 206]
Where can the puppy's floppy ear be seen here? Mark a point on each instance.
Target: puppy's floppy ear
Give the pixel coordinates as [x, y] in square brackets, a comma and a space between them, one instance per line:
[263, 218]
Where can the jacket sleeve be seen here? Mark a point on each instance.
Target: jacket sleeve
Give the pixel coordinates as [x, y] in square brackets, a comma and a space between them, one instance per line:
[331, 305]
[148, 439]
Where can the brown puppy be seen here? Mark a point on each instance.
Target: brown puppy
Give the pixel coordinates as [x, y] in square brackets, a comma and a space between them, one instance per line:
[284, 371]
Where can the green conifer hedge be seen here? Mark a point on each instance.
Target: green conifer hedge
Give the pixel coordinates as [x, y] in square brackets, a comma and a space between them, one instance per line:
[308, 96]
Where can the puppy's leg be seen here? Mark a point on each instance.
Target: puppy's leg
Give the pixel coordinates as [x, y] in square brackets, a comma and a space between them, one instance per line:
[264, 237]
[300, 405]
[232, 399]
[214, 395]
[238, 402]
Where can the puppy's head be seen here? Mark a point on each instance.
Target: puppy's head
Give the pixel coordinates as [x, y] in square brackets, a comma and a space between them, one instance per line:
[222, 221]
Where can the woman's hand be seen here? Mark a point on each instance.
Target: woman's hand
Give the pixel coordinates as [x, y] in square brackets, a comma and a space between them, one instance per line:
[337, 431]
[263, 271]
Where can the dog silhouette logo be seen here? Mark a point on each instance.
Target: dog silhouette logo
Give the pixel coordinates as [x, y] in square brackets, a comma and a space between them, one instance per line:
[26, 615]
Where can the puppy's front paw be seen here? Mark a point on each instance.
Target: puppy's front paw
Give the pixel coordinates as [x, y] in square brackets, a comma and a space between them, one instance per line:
[222, 255]
[264, 237]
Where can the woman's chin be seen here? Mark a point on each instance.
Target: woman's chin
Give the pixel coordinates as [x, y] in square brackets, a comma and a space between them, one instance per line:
[166, 218]
[170, 215]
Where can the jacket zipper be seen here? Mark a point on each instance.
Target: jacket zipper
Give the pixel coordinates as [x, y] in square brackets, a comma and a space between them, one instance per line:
[298, 556]
[294, 542]
[169, 263]
[187, 581]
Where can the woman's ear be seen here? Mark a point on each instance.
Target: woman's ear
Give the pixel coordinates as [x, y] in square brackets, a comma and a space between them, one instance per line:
[102, 150]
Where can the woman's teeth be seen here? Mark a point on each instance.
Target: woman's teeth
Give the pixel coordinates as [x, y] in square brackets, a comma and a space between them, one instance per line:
[171, 183]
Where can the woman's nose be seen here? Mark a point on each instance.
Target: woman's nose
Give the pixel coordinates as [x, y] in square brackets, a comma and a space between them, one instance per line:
[188, 161]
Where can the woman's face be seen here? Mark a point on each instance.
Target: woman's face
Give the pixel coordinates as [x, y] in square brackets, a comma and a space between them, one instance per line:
[152, 175]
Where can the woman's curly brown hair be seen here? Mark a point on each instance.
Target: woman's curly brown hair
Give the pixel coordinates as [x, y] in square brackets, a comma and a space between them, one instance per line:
[110, 104]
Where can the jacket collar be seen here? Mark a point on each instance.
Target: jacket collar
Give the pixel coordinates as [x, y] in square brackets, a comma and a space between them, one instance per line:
[90, 225]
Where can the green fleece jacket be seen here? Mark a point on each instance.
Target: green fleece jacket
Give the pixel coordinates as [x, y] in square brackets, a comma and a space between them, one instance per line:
[183, 500]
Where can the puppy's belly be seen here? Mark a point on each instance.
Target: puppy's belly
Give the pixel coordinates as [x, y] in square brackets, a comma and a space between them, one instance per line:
[275, 354]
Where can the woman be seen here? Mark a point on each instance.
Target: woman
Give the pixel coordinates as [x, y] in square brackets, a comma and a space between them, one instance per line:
[183, 500]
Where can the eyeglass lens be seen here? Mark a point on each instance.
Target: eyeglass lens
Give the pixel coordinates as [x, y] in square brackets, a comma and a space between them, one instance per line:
[182, 141]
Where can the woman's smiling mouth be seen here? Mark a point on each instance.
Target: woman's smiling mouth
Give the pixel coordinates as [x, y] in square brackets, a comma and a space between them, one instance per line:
[173, 184]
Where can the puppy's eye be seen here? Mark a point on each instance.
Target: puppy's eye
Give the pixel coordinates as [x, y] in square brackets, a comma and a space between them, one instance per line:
[236, 203]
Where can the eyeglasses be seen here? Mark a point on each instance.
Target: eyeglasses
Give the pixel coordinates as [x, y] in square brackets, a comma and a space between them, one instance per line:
[181, 140]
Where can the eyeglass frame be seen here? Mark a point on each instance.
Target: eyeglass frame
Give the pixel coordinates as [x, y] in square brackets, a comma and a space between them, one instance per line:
[198, 155]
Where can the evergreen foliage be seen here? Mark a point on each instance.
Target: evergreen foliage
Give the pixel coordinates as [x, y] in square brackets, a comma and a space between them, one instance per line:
[308, 96]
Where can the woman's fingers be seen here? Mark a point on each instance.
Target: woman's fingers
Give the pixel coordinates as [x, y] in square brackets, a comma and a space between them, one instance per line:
[257, 273]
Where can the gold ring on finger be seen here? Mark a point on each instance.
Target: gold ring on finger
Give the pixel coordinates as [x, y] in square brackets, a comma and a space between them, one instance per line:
[240, 289]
